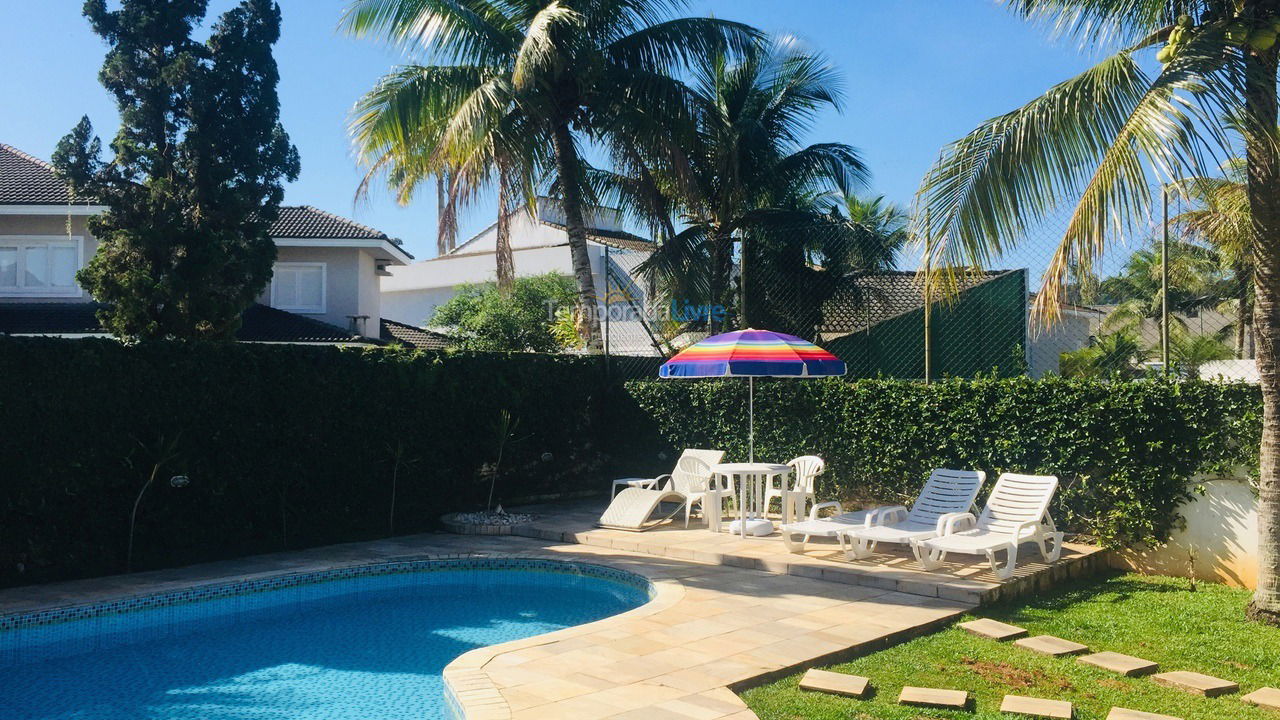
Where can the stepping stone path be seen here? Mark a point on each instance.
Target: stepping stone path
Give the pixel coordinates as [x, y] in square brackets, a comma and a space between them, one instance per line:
[835, 683]
[931, 697]
[1050, 645]
[1036, 707]
[1126, 665]
[1196, 683]
[1127, 714]
[993, 629]
[1266, 697]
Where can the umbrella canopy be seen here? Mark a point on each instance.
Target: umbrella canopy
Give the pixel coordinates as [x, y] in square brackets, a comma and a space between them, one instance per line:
[752, 353]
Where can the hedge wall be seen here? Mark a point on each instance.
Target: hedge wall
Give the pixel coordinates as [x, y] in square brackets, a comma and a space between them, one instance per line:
[285, 446]
[1124, 452]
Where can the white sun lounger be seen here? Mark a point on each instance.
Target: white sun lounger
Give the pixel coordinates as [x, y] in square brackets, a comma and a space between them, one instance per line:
[687, 485]
[828, 527]
[946, 494]
[1016, 512]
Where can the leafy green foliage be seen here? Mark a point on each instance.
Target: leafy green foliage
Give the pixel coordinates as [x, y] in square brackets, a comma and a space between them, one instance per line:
[1159, 619]
[1126, 452]
[196, 178]
[531, 317]
[284, 446]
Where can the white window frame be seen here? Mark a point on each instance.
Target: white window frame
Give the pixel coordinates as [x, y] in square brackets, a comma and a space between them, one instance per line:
[321, 309]
[20, 241]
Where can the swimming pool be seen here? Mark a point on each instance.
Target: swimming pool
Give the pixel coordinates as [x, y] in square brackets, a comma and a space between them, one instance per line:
[366, 643]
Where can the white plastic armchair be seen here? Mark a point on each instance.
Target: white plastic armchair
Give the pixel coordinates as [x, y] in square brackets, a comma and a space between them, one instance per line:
[805, 469]
[710, 457]
[947, 496]
[692, 480]
[1017, 512]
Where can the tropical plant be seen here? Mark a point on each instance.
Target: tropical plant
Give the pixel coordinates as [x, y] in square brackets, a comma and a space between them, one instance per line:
[1189, 351]
[196, 177]
[526, 318]
[742, 168]
[568, 69]
[1117, 354]
[1101, 136]
[1196, 283]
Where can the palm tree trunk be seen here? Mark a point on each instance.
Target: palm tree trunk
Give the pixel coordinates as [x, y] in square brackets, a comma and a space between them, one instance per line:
[1242, 309]
[506, 264]
[721, 263]
[567, 166]
[1264, 204]
[446, 214]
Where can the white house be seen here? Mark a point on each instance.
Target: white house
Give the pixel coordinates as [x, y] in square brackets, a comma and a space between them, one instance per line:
[325, 286]
[539, 244]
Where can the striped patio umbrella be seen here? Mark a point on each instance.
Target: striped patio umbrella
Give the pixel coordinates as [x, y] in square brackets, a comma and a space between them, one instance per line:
[751, 354]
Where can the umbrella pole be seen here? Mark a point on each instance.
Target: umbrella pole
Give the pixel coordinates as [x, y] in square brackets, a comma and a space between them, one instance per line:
[751, 422]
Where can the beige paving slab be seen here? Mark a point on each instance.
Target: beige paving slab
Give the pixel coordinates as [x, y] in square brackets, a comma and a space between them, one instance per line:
[835, 683]
[1036, 707]
[1264, 697]
[1196, 683]
[1127, 714]
[993, 629]
[933, 697]
[1126, 665]
[1050, 645]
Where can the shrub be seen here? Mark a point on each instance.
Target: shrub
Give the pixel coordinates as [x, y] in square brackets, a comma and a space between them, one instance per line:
[1125, 452]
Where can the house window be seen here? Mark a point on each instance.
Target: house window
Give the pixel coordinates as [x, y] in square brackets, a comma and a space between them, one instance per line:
[298, 287]
[39, 266]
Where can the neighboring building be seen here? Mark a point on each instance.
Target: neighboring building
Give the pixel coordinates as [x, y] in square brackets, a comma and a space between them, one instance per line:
[411, 293]
[1076, 327]
[325, 286]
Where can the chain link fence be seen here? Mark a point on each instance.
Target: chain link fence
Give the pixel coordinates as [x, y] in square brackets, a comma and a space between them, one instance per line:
[1156, 302]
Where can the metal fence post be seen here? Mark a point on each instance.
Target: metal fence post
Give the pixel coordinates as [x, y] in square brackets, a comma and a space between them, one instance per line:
[1164, 282]
[928, 302]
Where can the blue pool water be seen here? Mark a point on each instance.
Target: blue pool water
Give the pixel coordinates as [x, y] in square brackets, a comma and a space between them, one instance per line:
[362, 648]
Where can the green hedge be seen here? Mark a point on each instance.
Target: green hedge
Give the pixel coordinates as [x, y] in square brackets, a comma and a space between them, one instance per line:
[1124, 452]
[285, 446]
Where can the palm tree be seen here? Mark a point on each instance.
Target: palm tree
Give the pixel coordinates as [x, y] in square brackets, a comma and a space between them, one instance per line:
[567, 68]
[1195, 284]
[1221, 218]
[742, 164]
[1117, 354]
[1100, 137]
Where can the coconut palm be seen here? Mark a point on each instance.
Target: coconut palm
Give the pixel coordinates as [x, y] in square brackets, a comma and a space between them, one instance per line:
[1100, 138]
[1196, 283]
[743, 163]
[1117, 354]
[567, 68]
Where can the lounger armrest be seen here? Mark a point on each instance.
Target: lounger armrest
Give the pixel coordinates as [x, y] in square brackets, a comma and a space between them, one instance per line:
[1025, 530]
[662, 482]
[886, 515]
[952, 523]
[813, 512]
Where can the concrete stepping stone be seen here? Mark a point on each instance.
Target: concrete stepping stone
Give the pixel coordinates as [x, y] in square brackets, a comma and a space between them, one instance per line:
[1119, 713]
[835, 683]
[993, 629]
[1126, 665]
[933, 697]
[1196, 684]
[1036, 707]
[1265, 697]
[1050, 645]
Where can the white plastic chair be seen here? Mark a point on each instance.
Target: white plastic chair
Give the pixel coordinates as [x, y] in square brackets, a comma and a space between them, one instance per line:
[805, 470]
[1016, 512]
[691, 480]
[946, 494]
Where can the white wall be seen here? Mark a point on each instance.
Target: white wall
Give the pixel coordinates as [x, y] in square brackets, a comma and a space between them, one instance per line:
[1046, 345]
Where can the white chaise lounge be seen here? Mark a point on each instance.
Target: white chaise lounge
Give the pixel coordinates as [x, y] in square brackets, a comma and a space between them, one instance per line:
[1017, 512]
[686, 486]
[946, 494]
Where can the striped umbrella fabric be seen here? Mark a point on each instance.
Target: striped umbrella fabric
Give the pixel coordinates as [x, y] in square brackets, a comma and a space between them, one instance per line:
[752, 353]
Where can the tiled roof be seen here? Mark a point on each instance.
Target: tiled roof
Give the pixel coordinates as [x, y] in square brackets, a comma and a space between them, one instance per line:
[304, 221]
[411, 336]
[876, 297]
[613, 238]
[259, 323]
[26, 180]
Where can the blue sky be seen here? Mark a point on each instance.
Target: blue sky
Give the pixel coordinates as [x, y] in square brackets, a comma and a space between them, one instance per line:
[918, 73]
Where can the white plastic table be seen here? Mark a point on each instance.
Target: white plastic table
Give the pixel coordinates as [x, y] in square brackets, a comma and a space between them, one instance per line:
[751, 479]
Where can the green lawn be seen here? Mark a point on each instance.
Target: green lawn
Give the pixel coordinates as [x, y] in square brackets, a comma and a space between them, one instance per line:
[1155, 618]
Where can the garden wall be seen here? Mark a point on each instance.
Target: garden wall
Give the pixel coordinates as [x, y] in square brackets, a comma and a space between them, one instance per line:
[285, 446]
[1125, 453]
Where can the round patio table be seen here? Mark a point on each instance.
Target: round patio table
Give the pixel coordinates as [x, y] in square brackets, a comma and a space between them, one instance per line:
[751, 481]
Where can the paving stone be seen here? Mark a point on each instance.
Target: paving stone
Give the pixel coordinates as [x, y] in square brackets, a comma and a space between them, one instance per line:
[835, 683]
[1196, 683]
[993, 629]
[1126, 665]
[1050, 645]
[1036, 707]
[1120, 713]
[1264, 697]
[932, 697]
